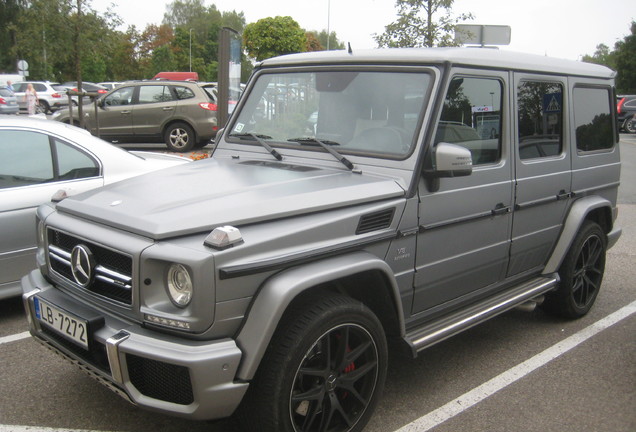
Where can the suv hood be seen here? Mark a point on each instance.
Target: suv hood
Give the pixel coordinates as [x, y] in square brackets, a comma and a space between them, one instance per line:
[201, 196]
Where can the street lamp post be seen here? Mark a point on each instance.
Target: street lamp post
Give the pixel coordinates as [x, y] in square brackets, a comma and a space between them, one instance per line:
[190, 50]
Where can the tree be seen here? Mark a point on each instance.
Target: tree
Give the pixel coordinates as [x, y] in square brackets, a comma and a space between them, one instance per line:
[330, 41]
[622, 59]
[421, 23]
[625, 52]
[9, 13]
[270, 37]
[602, 56]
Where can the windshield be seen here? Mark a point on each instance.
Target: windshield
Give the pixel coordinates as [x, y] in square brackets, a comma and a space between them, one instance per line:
[371, 112]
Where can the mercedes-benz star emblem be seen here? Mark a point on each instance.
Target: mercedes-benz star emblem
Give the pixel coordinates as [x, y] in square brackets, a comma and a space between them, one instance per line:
[82, 264]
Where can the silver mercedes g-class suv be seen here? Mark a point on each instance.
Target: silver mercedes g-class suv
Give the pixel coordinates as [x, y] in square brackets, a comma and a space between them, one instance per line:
[354, 198]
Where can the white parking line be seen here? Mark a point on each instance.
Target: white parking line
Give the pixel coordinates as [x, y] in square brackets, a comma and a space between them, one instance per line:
[478, 394]
[454, 407]
[15, 337]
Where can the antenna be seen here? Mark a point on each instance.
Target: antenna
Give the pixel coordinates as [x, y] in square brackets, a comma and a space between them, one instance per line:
[349, 50]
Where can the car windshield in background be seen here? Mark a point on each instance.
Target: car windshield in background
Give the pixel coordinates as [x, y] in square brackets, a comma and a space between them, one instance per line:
[369, 112]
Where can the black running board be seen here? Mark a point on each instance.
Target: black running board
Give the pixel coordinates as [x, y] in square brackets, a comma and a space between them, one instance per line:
[456, 322]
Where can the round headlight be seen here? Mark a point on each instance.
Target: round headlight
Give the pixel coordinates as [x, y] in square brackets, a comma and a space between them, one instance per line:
[179, 285]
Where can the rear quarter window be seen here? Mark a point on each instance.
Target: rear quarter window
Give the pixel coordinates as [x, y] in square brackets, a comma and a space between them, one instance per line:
[593, 119]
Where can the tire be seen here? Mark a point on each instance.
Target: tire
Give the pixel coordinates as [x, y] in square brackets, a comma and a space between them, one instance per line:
[581, 274]
[324, 370]
[179, 137]
[44, 107]
[630, 125]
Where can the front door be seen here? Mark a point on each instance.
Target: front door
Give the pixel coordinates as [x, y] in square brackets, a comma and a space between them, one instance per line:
[464, 239]
[114, 114]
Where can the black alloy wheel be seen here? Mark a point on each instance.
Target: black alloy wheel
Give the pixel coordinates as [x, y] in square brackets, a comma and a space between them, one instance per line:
[324, 369]
[335, 382]
[581, 274]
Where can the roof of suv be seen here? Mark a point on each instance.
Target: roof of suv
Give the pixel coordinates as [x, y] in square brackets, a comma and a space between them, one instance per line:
[491, 58]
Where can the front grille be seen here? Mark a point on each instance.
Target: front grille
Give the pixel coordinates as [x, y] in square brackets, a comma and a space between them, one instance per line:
[111, 271]
[159, 380]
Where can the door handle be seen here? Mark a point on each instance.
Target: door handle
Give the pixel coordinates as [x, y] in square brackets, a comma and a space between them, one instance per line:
[125, 112]
[500, 209]
[167, 108]
[563, 195]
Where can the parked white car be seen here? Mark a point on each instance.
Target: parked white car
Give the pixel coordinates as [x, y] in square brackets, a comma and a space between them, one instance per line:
[39, 158]
[51, 96]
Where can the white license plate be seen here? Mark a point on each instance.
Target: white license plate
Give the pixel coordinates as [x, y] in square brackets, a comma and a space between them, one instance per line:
[71, 327]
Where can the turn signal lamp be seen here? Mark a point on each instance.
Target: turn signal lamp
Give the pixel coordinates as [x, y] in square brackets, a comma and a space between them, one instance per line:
[223, 237]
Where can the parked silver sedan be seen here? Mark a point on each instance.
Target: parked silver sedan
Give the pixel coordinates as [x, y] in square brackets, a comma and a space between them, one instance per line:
[40, 158]
[8, 101]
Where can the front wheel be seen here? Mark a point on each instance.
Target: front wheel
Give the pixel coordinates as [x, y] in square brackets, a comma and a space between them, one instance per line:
[179, 137]
[324, 370]
[581, 274]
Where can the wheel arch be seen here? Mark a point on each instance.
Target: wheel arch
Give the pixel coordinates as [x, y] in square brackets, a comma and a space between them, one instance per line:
[342, 274]
[593, 208]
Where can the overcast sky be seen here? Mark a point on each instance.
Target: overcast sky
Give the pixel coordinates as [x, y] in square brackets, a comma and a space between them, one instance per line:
[557, 28]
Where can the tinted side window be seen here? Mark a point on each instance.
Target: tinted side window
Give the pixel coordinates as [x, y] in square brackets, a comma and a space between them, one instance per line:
[74, 164]
[540, 119]
[471, 117]
[39, 87]
[25, 159]
[153, 94]
[183, 93]
[593, 119]
[19, 87]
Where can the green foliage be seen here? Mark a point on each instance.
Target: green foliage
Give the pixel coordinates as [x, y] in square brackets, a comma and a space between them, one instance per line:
[622, 59]
[421, 23]
[48, 35]
[625, 52]
[328, 41]
[270, 37]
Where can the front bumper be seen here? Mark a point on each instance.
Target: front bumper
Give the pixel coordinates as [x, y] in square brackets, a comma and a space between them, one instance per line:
[191, 379]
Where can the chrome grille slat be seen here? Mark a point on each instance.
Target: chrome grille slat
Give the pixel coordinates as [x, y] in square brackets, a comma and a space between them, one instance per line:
[112, 270]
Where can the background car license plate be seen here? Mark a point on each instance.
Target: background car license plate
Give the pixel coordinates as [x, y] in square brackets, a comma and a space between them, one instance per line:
[72, 328]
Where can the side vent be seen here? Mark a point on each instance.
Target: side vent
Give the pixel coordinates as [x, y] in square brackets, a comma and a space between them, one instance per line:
[375, 221]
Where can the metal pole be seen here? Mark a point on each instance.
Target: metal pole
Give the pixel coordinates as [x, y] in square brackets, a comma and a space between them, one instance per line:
[190, 50]
[328, 23]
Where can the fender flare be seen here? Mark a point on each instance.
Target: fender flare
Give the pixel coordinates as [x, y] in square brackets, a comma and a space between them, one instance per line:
[575, 218]
[276, 294]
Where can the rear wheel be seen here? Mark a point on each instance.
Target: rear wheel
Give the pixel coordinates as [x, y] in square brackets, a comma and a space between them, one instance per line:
[179, 137]
[324, 370]
[630, 125]
[581, 274]
[44, 107]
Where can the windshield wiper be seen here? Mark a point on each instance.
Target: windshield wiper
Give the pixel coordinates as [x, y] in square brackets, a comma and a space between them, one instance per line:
[260, 139]
[327, 145]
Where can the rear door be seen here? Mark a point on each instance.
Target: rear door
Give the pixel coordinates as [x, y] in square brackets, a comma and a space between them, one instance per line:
[542, 166]
[155, 106]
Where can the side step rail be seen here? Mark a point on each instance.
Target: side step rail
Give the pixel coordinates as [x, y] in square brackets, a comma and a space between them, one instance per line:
[456, 322]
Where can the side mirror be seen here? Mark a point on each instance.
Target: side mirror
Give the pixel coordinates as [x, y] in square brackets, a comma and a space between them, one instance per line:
[450, 160]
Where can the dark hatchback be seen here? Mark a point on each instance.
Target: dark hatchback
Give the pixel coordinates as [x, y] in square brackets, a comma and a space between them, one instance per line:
[626, 113]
